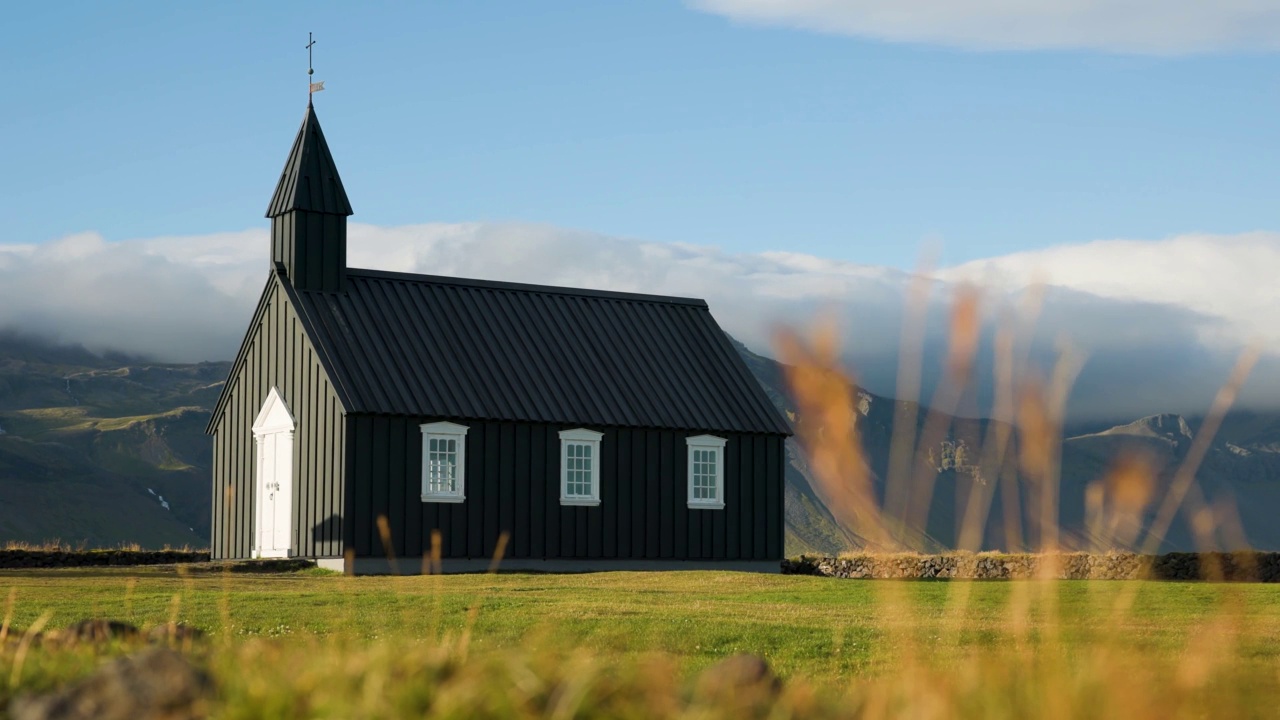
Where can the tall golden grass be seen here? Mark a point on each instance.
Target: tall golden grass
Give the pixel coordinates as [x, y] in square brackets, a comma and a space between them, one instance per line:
[1020, 458]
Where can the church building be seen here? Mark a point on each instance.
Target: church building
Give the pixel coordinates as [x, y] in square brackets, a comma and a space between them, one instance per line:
[368, 412]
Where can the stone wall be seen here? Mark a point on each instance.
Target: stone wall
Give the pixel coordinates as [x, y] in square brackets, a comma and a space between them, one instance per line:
[36, 558]
[1242, 566]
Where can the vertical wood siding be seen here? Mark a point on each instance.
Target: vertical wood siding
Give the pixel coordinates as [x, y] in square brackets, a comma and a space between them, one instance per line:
[513, 485]
[313, 248]
[278, 354]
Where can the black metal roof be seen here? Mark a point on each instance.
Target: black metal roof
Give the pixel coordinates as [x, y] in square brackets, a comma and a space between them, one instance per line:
[310, 179]
[430, 346]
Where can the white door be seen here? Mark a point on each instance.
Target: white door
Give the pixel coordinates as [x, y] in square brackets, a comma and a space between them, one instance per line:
[273, 506]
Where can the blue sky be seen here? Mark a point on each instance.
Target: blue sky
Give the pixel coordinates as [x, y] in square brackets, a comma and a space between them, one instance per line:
[651, 120]
[776, 157]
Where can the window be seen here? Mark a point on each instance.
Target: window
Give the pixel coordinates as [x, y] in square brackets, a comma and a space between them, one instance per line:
[580, 467]
[444, 462]
[706, 472]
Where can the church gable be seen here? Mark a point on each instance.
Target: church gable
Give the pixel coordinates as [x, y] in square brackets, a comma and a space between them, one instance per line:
[276, 357]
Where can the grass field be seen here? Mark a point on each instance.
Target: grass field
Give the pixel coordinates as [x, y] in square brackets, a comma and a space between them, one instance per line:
[831, 637]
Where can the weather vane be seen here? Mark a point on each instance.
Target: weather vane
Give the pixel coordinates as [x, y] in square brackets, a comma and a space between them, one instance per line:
[315, 86]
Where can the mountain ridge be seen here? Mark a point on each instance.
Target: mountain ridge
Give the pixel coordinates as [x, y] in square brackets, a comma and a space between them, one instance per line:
[108, 449]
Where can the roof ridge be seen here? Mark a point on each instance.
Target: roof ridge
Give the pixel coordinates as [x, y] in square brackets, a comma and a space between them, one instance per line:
[524, 287]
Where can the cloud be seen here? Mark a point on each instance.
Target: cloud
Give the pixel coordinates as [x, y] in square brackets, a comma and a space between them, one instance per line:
[1128, 26]
[1160, 321]
[1229, 281]
[170, 298]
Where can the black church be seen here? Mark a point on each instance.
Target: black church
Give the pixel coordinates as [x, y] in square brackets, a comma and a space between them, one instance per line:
[367, 411]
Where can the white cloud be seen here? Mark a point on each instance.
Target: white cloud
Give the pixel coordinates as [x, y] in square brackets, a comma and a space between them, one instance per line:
[1131, 26]
[160, 298]
[1161, 321]
[1229, 281]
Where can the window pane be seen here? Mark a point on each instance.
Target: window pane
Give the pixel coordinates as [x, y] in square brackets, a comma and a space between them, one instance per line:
[578, 469]
[442, 465]
[702, 473]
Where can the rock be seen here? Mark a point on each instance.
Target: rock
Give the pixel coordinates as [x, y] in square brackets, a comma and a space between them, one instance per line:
[736, 674]
[155, 684]
[1112, 565]
[98, 631]
[175, 634]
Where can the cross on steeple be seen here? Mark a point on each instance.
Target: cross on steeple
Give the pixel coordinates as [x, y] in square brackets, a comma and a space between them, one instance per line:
[314, 87]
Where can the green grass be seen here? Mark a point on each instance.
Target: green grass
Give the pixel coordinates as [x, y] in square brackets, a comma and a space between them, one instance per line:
[820, 628]
[634, 644]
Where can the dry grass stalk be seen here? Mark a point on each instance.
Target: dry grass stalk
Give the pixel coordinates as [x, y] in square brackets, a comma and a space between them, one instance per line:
[1115, 507]
[828, 430]
[1185, 475]
[902, 445]
[24, 646]
[8, 616]
[384, 533]
[962, 346]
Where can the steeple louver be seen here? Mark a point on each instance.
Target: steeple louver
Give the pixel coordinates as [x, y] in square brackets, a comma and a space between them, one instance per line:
[309, 213]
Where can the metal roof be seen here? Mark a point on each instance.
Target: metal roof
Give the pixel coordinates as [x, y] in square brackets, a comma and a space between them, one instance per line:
[310, 179]
[430, 346]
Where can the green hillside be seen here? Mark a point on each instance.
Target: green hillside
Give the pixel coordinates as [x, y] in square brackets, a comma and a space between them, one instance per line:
[92, 448]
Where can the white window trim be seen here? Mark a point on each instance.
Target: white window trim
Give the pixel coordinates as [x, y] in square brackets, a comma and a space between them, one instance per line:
[706, 442]
[445, 431]
[580, 436]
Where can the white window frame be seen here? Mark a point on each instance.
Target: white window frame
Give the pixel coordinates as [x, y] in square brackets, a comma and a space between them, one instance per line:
[706, 442]
[444, 431]
[580, 436]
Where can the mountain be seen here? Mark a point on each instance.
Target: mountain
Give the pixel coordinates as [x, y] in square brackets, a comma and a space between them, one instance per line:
[111, 449]
[1241, 472]
[1241, 469]
[103, 450]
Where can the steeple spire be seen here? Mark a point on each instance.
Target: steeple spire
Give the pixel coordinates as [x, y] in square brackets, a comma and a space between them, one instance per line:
[310, 178]
[309, 213]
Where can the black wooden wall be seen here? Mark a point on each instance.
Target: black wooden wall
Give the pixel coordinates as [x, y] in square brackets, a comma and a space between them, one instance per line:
[513, 484]
[313, 247]
[277, 353]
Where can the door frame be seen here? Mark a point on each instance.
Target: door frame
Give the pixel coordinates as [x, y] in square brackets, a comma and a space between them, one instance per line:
[273, 419]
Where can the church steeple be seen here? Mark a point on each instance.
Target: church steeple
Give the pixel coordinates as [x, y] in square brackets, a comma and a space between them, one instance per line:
[309, 213]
